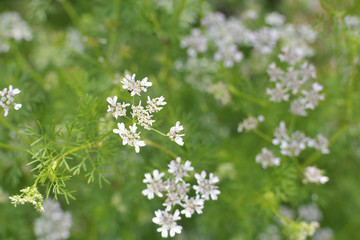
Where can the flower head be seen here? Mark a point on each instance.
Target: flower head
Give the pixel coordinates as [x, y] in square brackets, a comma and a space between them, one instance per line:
[174, 135]
[131, 138]
[167, 221]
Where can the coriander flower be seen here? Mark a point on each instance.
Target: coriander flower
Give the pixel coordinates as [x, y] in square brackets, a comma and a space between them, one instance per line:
[117, 109]
[275, 72]
[206, 187]
[314, 175]
[310, 212]
[320, 143]
[174, 135]
[228, 54]
[274, 19]
[135, 86]
[154, 104]
[280, 134]
[131, 138]
[180, 170]
[313, 96]
[192, 205]
[278, 93]
[266, 158]
[176, 192]
[168, 224]
[290, 55]
[142, 115]
[154, 185]
[294, 145]
[195, 42]
[7, 99]
[250, 123]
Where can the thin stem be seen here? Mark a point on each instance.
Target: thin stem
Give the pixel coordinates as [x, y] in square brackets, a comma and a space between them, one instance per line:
[151, 143]
[158, 132]
[245, 96]
[263, 135]
[3, 145]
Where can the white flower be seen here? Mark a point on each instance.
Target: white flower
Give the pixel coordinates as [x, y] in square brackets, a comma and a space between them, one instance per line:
[143, 116]
[307, 71]
[206, 187]
[117, 109]
[220, 92]
[174, 135]
[228, 54]
[130, 138]
[275, 72]
[280, 134]
[314, 175]
[298, 107]
[294, 145]
[195, 42]
[154, 104]
[248, 124]
[180, 170]
[135, 86]
[7, 99]
[274, 19]
[324, 234]
[192, 205]
[266, 158]
[265, 39]
[154, 185]
[13, 26]
[290, 55]
[176, 192]
[168, 224]
[313, 96]
[278, 93]
[320, 143]
[54, 223]
[310, 212]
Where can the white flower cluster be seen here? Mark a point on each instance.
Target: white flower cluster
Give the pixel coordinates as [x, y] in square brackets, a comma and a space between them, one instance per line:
[176, 191]
[250, 123]
[310, 212]
[353, 22]
[12, 26]
[140, 115]
[294, 81]
[7, 99]
[293, 145]
[314, 175]
[220, 92]
[267, 158]
[54, 223]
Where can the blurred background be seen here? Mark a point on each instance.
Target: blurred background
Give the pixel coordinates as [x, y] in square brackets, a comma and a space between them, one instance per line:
[68, 56]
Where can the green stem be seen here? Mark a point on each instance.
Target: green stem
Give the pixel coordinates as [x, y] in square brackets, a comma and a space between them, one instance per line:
[3, 145]
[263, 135]
[245, 96]
[151, 143]
[163, 134]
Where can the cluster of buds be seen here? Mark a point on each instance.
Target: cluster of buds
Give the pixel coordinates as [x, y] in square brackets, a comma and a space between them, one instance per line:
[29, 195]
[140, 115]
[176, 192]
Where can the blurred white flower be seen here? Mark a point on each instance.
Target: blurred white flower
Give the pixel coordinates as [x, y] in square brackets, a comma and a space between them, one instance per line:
[54, 223]
[195, 43]
[314, 175]
[154, 185]
[267, 158]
